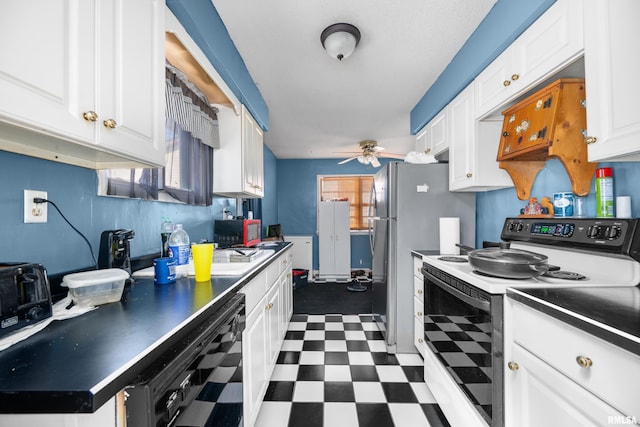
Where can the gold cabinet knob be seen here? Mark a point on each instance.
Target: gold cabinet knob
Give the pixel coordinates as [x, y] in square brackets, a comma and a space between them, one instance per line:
[513, 366]
[469, 175]
[506, 83]
[420, 340]
[419, 314]
[419, 291]
[110, 124]
[515, 77]
[427, 151]
[590, 139]
[419, 270]
[584, 362]
[90, 116]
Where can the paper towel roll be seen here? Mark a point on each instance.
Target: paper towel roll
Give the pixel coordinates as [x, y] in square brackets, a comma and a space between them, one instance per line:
[623, 207]
[449, 236]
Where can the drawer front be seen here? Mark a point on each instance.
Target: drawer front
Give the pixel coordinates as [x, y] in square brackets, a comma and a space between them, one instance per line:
[611, 372]
[418, 336]
[254, 291]
[418, 288]
[417, 266]
[418, 308]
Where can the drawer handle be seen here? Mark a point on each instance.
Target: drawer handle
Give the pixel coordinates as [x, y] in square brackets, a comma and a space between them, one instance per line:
[506, 83]
[469, 175]
[584, 362]
[515, 77]
[419, 291]
[420, 313]
[513, 366]
[110, 124]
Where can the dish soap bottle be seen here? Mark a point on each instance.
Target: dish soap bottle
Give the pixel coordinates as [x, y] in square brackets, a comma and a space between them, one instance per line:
[166, 228]
[179, 249]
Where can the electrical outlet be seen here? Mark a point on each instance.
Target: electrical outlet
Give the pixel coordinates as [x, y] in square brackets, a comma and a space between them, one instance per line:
[34, 212]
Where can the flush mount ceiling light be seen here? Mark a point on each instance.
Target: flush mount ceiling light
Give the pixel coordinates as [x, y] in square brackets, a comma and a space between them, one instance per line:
[340, 40]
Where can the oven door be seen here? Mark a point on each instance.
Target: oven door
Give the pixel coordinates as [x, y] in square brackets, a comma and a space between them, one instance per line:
[463, 328]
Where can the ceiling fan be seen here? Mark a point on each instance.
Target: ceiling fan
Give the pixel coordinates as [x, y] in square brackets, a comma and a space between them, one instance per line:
[370, 153]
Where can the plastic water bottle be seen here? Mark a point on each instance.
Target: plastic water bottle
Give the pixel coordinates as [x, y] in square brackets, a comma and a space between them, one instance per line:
[166, 228]
[180, 249]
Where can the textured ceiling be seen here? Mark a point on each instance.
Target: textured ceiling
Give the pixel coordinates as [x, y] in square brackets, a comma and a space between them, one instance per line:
[320, 107]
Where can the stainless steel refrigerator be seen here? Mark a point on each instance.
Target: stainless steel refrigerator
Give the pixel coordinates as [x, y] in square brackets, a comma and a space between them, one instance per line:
[409, 200]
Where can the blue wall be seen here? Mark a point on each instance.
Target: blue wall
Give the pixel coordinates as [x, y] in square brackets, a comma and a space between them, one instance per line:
[297, 201]
[502, 25]
[494, 206]
[73, 189]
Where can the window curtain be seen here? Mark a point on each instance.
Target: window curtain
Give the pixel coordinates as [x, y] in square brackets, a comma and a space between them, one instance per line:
[191, 134]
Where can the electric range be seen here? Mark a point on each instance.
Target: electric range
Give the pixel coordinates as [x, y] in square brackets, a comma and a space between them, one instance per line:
[463, 310]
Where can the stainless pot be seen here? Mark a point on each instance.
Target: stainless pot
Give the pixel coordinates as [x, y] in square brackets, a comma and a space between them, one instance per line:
[508, 263]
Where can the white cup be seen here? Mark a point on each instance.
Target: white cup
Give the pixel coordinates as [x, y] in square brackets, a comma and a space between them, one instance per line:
[623, 207]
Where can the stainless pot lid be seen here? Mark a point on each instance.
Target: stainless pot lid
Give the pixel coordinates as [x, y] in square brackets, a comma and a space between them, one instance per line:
[508, 256]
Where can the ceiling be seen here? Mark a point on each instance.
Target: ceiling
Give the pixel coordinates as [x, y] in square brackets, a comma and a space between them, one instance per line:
[320, 107]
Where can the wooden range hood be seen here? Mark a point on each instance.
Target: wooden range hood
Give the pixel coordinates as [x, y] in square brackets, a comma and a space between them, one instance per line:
[548, 124]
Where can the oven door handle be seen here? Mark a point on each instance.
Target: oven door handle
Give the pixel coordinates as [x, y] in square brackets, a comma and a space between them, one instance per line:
[474, 302]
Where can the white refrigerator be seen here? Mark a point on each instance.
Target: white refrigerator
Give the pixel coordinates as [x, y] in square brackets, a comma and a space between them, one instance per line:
[408, 201]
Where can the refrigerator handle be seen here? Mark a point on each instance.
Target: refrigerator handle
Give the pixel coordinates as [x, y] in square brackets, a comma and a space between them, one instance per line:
[370, 223]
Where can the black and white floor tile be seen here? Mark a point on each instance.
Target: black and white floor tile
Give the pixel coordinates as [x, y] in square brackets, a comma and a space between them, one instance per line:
[333, 370]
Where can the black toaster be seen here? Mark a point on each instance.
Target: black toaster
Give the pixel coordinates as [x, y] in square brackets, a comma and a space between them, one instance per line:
[25, 297]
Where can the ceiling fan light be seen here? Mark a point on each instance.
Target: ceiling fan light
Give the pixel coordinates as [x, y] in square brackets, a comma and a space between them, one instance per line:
[340, 40]
[363, 160]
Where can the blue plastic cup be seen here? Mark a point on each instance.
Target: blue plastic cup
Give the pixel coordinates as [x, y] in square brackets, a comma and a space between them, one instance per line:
[164, 270]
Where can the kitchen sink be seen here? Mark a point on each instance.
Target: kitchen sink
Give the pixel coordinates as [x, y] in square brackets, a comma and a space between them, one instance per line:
[220, 268]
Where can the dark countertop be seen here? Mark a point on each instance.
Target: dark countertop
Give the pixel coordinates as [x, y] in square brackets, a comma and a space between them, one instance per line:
[77, 365]
[609, 313]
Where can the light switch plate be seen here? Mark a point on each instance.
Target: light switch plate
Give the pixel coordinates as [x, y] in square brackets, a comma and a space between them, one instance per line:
[34, 212]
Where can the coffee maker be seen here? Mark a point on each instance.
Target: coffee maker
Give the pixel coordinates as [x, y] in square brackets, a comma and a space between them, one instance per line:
[115, 250]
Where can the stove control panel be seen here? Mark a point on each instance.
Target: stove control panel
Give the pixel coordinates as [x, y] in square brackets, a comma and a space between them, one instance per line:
[594, 234]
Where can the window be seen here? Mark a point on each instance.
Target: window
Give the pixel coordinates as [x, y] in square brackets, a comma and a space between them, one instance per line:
[354, 188]
[191, 134]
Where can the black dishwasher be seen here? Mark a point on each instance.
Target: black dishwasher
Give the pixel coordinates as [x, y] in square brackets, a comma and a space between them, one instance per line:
[198, 380]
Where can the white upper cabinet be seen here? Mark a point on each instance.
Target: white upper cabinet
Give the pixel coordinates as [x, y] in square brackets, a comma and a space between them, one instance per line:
[238, 164]
[473, 145]
[432, 139]
[612, 60]
[83, 82]
[548, 45]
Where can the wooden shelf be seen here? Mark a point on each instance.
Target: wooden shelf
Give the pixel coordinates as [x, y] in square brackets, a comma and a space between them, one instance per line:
[547, 124]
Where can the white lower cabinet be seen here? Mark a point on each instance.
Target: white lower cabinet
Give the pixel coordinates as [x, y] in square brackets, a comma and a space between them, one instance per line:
[418, 305]
[269, 306]
[559, 375]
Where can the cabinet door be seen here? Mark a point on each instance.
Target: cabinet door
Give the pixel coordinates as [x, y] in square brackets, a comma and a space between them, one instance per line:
[254, 360]
[252, 156]
[342, 242]
[272, 321]
[326, 238]
[438, 136]
[131, 78]
[47, 68]
[538, 395]
[462, 148]
[550, 43]
[611, 62]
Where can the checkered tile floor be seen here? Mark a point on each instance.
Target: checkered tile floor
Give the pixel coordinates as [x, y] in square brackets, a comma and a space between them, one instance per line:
[333, 370]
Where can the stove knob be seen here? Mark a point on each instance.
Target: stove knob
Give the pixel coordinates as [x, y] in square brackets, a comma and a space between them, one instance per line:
[520, 226]
[614, 232]
[593, 231]
[35, 313]
[511, 226]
